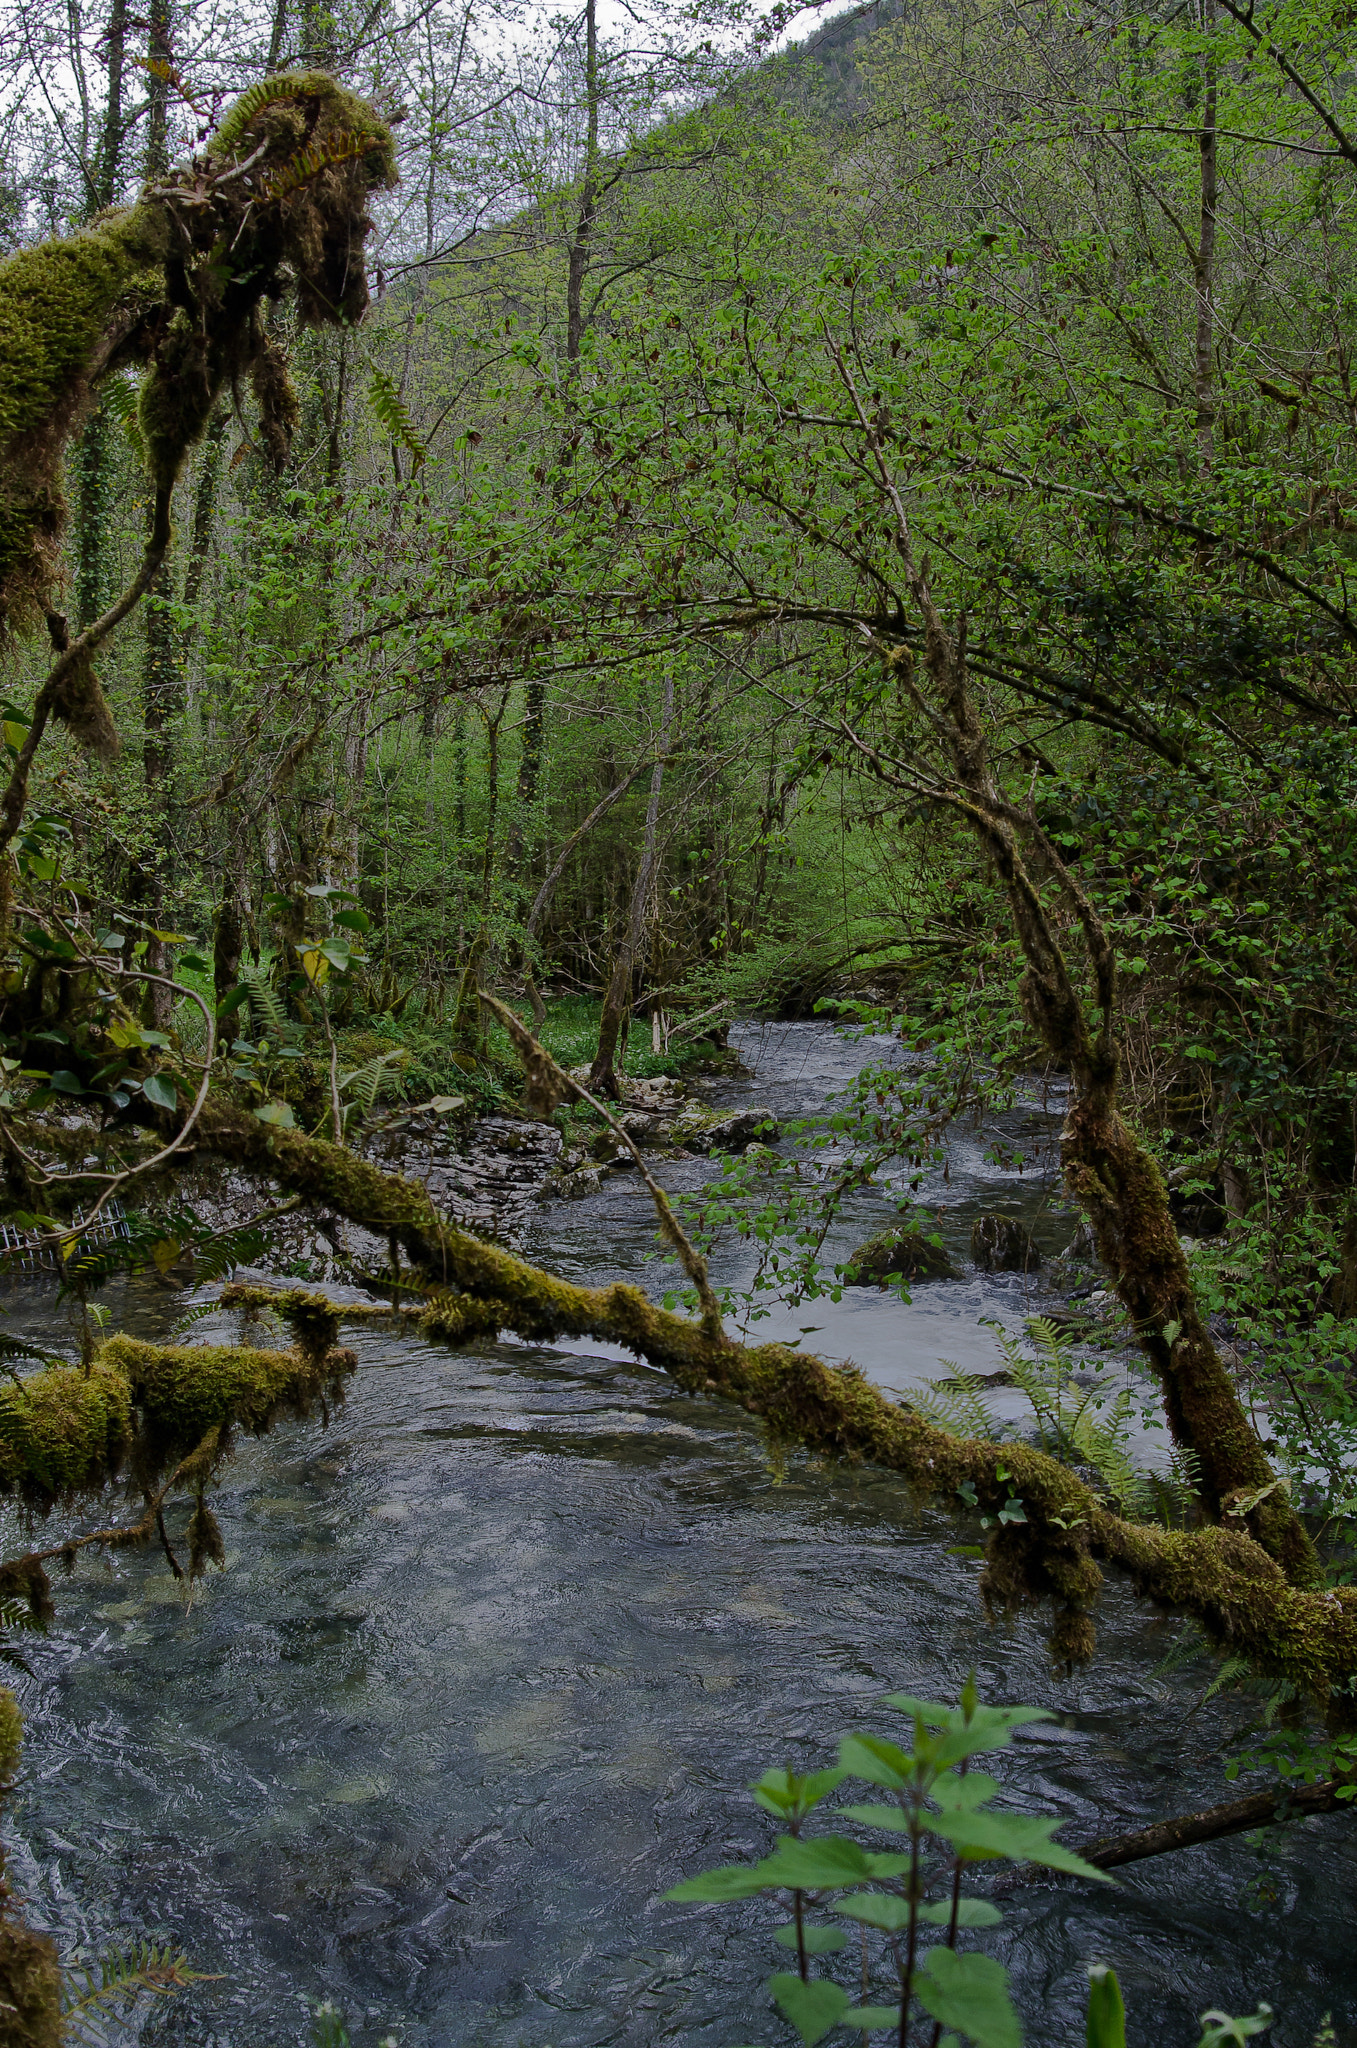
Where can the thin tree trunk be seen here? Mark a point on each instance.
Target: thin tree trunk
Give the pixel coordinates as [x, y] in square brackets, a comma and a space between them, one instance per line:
[1106, 1167]
[1204, 268]
[162, 683]
[92, 459]
[618, 998]
[577, 265]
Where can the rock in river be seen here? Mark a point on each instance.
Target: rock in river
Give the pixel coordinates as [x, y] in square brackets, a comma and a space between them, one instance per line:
[899, 1253]
[1000, 1244]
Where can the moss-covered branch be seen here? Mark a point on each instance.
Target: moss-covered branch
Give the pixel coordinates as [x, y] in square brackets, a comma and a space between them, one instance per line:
[67, 1431]
[1221, 1576]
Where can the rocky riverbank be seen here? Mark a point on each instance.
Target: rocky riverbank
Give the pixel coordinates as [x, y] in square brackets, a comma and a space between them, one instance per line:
[489, 1174]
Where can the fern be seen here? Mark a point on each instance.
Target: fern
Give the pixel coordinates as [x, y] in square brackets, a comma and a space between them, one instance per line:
[122, 396]
[267, 93]
[364, 1085]
[394, 414]
[308, 163]
[215, 1256]
[958, 1405]
[17, 1616]
[266, 1005]
[14, 1348]
[123, 1974]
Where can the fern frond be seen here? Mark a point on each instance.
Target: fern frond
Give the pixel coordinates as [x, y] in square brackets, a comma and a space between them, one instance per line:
[958, 1405]
[266, 1005]
[366, 1084]
[14, 1348]
[197, 1314]
[394, 414]
[308, 163]
[123, 1974]
[267, 93]
[216, 1256]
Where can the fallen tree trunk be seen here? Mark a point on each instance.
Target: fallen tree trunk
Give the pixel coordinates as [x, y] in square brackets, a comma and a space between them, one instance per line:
[1225, 1580]
[1213, 1823]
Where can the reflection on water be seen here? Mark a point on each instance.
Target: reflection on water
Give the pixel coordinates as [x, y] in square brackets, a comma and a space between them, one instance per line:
[492, 1659]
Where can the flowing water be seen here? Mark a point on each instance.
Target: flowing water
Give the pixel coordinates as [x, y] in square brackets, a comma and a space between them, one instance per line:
[496, 1652]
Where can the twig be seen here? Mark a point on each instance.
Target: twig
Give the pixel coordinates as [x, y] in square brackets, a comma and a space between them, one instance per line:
[545, 1076]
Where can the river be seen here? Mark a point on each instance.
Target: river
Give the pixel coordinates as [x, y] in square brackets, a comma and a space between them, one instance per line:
[497, 1650]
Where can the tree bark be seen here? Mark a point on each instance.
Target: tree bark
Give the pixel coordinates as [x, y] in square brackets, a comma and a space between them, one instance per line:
[1204, 268]
[577, 263]
[617, 999]
[1213, 1823]
[92, 458]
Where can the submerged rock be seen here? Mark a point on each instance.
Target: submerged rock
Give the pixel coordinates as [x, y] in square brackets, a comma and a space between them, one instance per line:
[1000, 1244]
[710, 1131]
[899, 1253]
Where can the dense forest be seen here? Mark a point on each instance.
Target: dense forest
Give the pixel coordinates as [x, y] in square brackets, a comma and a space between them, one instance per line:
[527, 539]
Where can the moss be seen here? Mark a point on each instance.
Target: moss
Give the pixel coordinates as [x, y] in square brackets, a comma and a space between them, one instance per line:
[30, 1988]
[184, 1390]
[175, 284]
[55, 302]
[1224, 1578]
[11, 1738]
[63, 1431]
[902, 1253]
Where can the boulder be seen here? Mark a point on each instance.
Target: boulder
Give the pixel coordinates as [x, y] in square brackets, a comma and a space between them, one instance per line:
[731, 1133]
[899, 1253]
[1000, 1244]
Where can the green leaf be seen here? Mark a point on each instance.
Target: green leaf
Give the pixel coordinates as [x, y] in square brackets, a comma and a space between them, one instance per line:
[277, 1113]
[812, 2008]
[159, 1089]
[970, 1993]
[824, 1863]
[878, 1817]
[876, 1909]
[66, 1083]
[789, 1793]
[970, 1913]
[354, 920]
[194, 960]
[1106, 2013]
[731, 1881]
[880, 1763]
[1022, 1837]
[818, 1941]
[958, 1794]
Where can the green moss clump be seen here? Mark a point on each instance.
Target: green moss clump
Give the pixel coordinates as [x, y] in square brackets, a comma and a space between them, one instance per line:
[185, 1390]
[55, 302]
[30, 1988]
[63, 1431]
[11, 1738]
[901, 1253]
[176, 284]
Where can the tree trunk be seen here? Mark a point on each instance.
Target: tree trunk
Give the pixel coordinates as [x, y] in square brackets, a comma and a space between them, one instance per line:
[617, 1000]
[1106, 1168]
[1204, 268]
[91, 461]
[577, 263]
[162, 692]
